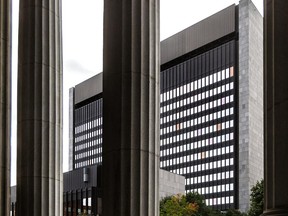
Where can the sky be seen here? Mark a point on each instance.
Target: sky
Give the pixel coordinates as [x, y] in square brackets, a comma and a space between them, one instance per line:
[83, 46]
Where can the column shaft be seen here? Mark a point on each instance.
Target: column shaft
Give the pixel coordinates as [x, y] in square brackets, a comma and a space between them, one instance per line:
[276, 106]
[131, 108]
[39, 151]
[5, 104]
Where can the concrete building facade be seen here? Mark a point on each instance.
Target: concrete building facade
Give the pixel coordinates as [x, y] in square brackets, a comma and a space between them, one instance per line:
[229, 45]
[85, 123]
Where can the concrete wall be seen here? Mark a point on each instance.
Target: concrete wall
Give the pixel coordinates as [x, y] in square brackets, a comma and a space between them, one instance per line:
[74, 180]
[71, 128]
[89, 88]
[250, 100]
[170, 184]
[208, 30]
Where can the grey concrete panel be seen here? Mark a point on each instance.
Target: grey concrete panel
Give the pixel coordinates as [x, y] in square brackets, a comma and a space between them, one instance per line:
[202, 33]
[276, 115]
[39, 128]
[74, 180]
[71, 127]
[89, 88]
[250, 104]
[13, 194]
[170, 184]
[5, 104]
[131, 108]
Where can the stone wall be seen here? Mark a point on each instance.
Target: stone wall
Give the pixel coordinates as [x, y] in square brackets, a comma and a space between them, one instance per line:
[170, 184]
[250, 100]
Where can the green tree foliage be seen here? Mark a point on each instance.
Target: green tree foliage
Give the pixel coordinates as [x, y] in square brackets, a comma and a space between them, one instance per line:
[257, 199]
[234, 212]
[177, 206]
[191, 204]
[203, 209]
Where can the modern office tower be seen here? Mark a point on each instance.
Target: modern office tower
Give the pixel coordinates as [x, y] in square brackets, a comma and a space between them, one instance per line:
[85, 126]
[211, 107]
[198, 129]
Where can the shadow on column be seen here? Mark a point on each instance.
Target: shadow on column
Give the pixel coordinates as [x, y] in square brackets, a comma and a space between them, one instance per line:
[276, 106]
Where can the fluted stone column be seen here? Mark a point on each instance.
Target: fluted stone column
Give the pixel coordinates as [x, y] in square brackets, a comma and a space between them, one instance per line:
[39, 151]
[5, 104]
[131, 108]
[276, 107]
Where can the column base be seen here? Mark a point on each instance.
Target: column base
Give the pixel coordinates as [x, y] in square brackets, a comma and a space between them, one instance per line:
[276, 212]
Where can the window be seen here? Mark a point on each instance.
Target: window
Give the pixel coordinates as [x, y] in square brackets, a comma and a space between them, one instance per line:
[231, 71]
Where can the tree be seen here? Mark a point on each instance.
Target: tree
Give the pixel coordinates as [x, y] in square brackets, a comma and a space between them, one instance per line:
[257, 199]
[203, 209]
[191, 204]
[234, 212]
[177, 206]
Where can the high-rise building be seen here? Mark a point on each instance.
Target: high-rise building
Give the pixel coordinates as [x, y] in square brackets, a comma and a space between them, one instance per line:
[85, 129]
[211, 108]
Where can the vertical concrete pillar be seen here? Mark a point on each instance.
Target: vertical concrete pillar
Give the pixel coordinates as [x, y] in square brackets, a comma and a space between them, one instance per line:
[71, 128]
[250, 103]
[276, 106]
[131, 108]
[39, 151]
[5, 104]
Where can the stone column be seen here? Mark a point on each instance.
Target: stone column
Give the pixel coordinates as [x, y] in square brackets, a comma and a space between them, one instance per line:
[39, 128]
[5, 104]
[131, 108]
[276, 106]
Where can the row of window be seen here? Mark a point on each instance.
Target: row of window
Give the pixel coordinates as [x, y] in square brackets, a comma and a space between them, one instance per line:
[198, 132]
[197, 109]
[89, 125]
[86, 145]
[88, 153]
[88, 162]
[220, 201]
[201, 155]
[88, 135]
[199, 144]
[197, 121]
[216, 189]
[84, 201]
[209, 178]
[197, 84]
[200, 167]
[201, 96]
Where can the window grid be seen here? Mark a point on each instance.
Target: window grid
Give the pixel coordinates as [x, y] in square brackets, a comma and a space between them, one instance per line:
[197, 124]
